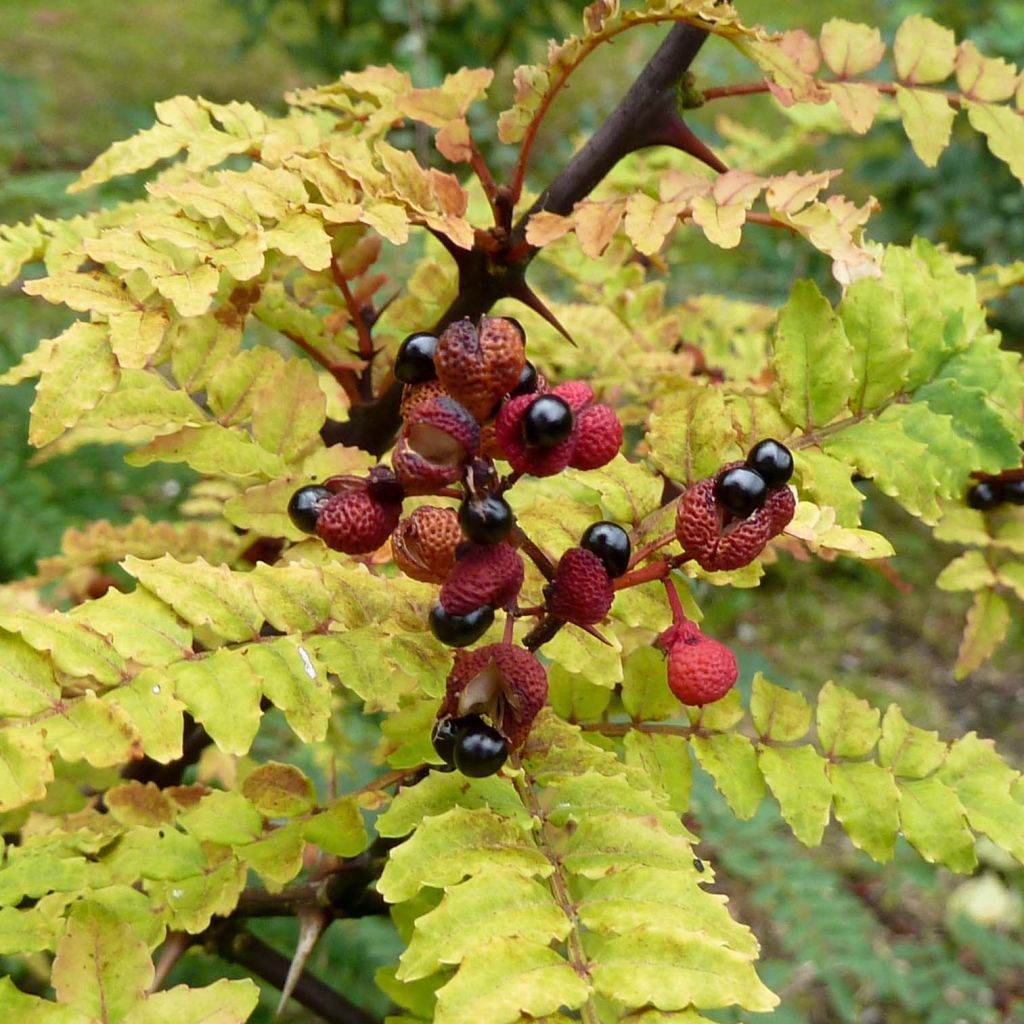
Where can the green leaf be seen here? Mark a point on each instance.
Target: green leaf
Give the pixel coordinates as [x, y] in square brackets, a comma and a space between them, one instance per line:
[25, 768]
[798, 779]
[189, 904]
[905, 749]
[74, 648]
[15, 1005]
[93, 292]
[212, 450]
[665, 760]
[992, 811]
[924, 51]
[656, 966]
[338, 829]
[928, 121]
[458, 844]
[850, 49]
[93, 730]
[140, 625]
[80, 372]
[778, 714]
[498, 904]
[811, 359]
[827, 481]
[932, 821]
[100, 967]
[278, 857]
[222, 692]
[303, 236]
[867, 802]
[988, 621]
[574, 697]
[202, 594]
[296, 682]
[154, 712]
[645, 692]
[279, 790]
[507, 978]
[223, 1002]
[225, 818]
[882, 451]
[27, 684]
[877, 333]
[690, 432]
[1003, 131]
[847, 725]
[970, 571]
[731, 762]
[289, 410]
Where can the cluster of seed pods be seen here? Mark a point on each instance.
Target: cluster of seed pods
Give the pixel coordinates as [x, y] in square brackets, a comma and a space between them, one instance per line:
[472, 397]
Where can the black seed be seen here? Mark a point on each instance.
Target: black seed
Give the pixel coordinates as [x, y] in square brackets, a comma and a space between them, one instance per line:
[486, 519]
[414, 362]
[527, 383]
[548, 421]
[460, 630]
[741, 491]
[610, 543]
[479, 749]
[304, 507]
[773, 460]
[443, 737]
[1013, 491]
[985, 495]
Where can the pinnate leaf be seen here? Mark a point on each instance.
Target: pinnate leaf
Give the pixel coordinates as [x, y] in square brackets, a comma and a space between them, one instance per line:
[798, 779]
[924, 51]
[811, 358]
[928, 121]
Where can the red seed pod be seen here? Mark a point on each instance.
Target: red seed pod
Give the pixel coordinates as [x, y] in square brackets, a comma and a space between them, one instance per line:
[484, 574]
[581, 592]
[700, 669]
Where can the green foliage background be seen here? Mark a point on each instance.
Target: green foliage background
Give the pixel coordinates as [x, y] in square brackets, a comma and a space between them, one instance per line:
[842, 618]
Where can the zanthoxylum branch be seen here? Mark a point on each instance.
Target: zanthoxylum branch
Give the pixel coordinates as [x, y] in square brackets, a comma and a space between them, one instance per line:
[241, 947]
[954, 99]
[485, 279]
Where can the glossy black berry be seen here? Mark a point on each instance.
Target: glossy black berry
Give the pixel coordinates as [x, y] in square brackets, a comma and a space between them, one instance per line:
[610, 543]
[443, 738]
[1013, 491]
[479, 749]
[304, 507]
[527, 383]
[547, 422]
[460, 630]
[984, 495]
[414, 362]
[741, 491]
[773, 460]
[486, 519]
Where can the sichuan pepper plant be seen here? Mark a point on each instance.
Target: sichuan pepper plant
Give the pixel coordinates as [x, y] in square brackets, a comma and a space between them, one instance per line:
[434, 499]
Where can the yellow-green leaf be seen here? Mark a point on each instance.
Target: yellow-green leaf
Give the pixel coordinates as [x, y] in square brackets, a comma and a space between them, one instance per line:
[924, 51]
[798, 779]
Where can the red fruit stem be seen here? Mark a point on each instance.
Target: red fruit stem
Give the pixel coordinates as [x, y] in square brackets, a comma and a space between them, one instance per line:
[678, 615]
[509, 481]
[654, 571]
[509, 626]
[648, 549]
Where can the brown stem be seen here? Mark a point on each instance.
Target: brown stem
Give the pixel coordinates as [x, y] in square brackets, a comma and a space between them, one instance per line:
[256, 956]
[648, 549]
[542, 633]
[534, 553]
[344, 375]
[954, 99]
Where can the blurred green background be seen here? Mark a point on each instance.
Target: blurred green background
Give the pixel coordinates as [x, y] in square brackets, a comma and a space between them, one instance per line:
[78, 74]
